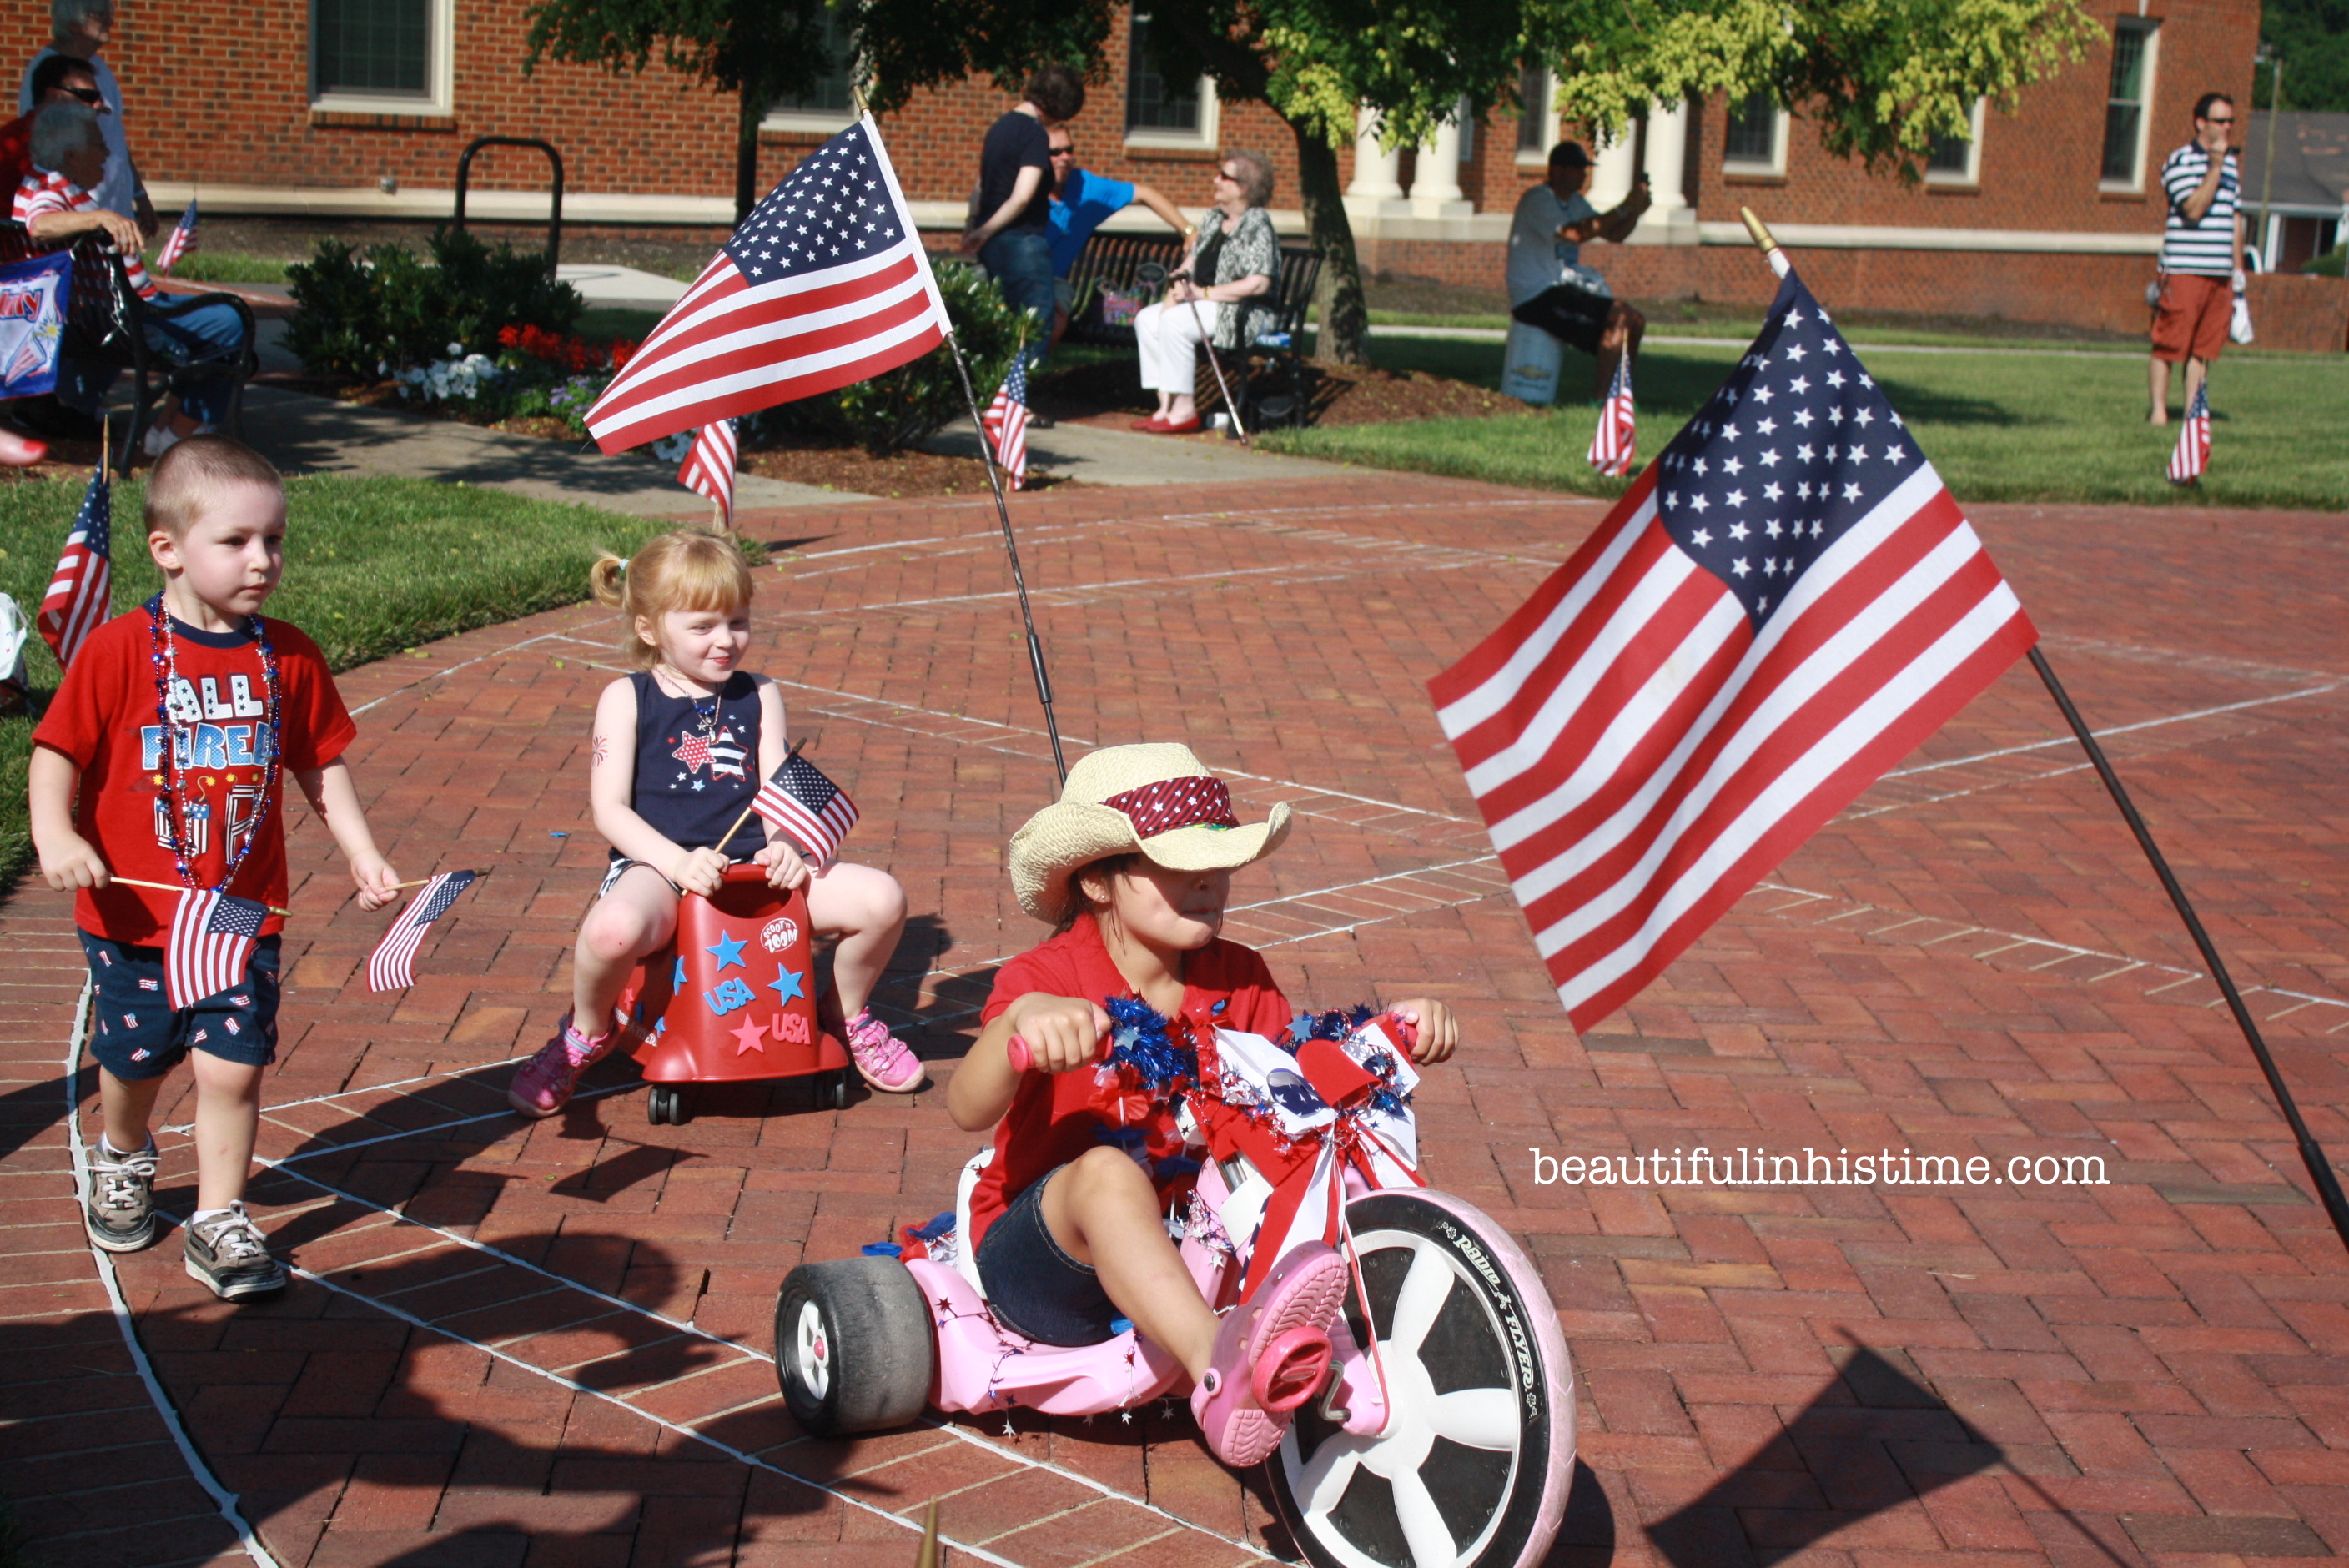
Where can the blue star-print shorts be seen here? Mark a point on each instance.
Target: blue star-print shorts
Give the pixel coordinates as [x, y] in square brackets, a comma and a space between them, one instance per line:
[135, 1035]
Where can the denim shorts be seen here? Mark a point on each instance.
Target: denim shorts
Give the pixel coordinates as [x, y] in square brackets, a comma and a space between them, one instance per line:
[1033, 1287]
[135, 1035]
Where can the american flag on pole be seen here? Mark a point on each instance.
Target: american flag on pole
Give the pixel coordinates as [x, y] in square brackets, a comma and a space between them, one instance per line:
[80, 591]
[1779, 608]
[801, 801]
[708, 468]
[1007, 422]
[392, 965]
[2193, 453]
[825, 283]
[182, 240]
[1615, 443]
[211, 943]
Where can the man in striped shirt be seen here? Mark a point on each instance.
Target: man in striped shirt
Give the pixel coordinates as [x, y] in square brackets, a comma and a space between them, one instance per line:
[2201, 249]
[54, 204]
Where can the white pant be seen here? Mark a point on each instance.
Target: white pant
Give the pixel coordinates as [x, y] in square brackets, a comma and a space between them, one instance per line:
[1169, 336]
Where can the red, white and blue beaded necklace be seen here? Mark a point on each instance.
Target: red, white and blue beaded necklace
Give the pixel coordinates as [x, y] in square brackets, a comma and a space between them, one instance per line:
[168, 810]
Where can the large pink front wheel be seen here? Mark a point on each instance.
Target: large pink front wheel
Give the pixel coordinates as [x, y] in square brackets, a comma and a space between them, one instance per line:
[1474, 1467]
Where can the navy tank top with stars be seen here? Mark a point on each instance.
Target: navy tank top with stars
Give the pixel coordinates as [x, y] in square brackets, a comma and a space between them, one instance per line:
[697, 764]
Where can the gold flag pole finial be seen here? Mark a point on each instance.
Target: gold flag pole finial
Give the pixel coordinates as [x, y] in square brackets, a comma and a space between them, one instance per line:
[928, 1556]
[1765, 240]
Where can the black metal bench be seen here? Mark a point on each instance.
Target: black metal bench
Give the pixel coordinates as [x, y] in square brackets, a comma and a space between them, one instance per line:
[1113, 261]
[1277, 394]
[105, 324]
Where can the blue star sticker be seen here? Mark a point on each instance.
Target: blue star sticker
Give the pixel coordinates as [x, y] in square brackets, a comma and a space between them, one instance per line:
[727, 951]
[678, 979]
[786, 985]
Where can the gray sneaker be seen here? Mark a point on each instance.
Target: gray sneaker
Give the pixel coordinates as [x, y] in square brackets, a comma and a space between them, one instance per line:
[121, 1212]
[228, 1253]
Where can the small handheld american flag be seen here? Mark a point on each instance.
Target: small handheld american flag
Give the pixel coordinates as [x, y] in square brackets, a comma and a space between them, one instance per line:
[210, 943]
[182, 240]
[708, 468]
[80, 590]
[801, 801]
[2193, 453]
[392, 965]
[1614, 443]
[1006, 423]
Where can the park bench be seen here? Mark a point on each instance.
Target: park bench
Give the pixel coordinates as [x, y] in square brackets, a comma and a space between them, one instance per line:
[1274, 380]
[105, 324]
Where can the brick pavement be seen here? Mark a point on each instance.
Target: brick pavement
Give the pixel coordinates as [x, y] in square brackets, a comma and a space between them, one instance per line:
[549, 1343]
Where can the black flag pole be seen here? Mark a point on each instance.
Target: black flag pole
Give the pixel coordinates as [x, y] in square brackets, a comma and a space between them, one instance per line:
[2311, 1153]
[1012, 548]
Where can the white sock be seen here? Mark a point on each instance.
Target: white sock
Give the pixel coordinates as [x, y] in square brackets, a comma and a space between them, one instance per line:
[200, 1216]
[106, 1150]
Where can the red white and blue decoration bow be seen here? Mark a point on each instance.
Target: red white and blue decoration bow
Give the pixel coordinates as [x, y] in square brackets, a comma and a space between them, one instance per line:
[392, 965]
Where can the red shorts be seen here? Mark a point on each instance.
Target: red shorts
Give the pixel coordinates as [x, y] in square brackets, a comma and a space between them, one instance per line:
[2190, 322]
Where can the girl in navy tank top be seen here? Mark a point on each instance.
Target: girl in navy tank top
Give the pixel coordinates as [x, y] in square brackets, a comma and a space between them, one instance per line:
[679, 748]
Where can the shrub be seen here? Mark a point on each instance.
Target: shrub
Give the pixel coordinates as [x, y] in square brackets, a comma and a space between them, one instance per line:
[393, 310]
[2328, 266]
[892, 411]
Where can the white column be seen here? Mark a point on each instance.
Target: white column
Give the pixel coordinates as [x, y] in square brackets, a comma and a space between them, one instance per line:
[1667, 146]
[1610, 180]
[1435, 188]
[1377, 171]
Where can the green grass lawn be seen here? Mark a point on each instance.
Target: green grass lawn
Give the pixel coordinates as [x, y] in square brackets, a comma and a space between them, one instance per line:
[1999, 426]
[373, 566]
[224, 267]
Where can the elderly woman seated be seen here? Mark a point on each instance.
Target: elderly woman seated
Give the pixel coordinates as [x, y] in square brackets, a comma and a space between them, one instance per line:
[54, 204]
[1224, 288]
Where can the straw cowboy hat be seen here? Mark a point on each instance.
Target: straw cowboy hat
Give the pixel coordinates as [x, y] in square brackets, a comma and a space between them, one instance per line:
[1159, 799]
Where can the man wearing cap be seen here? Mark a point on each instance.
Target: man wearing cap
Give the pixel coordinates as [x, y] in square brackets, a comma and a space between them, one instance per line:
[1548, 285]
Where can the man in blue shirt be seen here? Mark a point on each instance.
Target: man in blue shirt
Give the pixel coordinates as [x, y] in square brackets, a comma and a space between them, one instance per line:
[1548, 285]
[1081, 202]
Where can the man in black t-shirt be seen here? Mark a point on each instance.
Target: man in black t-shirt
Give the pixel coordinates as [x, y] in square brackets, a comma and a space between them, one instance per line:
[1013, 239]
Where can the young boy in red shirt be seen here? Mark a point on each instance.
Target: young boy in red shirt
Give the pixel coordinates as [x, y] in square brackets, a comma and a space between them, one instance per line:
[162, 759]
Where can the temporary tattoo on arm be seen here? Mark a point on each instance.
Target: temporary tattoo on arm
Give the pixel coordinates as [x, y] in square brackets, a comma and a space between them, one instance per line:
[601, 753]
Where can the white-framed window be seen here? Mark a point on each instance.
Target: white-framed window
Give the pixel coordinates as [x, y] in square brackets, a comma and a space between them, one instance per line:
[1537, 118]
[1755, 140]
[2136, 48]
[1956, 160]
[830, 105]
[383, 57]
[1160, 111]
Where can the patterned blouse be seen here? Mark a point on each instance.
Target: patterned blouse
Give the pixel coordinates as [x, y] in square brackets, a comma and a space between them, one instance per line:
[1250, 249]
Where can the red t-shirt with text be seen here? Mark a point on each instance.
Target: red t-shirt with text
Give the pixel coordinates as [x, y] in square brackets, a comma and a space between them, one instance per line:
[104, 720]
[1056, 1117]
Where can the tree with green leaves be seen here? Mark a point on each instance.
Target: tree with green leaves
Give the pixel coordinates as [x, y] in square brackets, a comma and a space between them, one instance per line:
[1882, 78]
[760, 50]
[2312, 39]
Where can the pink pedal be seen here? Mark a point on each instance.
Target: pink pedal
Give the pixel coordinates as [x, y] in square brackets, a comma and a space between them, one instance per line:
[1290, 1369]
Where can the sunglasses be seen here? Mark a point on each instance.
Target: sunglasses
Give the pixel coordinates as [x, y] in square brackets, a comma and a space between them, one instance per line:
[90, 96]
[1064, 152]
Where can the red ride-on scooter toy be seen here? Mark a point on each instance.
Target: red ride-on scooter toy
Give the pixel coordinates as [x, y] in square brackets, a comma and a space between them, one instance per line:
[733, 999]
[1443, 1434]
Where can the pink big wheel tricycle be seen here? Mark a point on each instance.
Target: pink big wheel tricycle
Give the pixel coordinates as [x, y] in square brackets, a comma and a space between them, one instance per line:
[1442, 1434]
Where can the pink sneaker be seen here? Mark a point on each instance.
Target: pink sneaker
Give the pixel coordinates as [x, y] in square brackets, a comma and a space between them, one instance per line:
[1270, 1356]
[881, 1056]
[544, 1085]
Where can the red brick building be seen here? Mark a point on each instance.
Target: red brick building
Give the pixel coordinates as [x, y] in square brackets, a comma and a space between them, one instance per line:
[353, 109]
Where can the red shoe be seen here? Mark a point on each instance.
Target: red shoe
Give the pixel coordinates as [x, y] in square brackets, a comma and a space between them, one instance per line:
[20, 451]
[1151, 425]
[1183, 429]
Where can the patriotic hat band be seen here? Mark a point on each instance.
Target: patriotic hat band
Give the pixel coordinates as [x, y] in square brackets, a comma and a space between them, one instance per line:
[1159, 799]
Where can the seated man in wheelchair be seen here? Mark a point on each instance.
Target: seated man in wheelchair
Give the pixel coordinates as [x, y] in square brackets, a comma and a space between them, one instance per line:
[54, 204]
[1069, 1219]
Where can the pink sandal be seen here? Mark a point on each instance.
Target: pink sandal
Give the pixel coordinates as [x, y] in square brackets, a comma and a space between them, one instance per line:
[1270, 1356]
[543, 1086]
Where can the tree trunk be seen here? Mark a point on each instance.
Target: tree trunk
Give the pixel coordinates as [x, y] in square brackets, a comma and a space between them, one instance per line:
[1337, 302]
[746, 151]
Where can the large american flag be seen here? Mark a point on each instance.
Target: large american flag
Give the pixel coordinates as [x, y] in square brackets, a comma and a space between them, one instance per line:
[801, 801]
[211, 943]
[708, 468]
[1615, 444]
[80, 591]
[2193, 453]
[1006, 423]
[825, 283]
[182, 240]
[392, 965]
[1779, 608]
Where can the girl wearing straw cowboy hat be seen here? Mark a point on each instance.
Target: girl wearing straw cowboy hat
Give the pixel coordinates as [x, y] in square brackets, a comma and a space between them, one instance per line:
[1134, 867]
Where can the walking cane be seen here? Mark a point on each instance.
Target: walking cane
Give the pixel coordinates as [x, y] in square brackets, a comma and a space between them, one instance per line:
[1207, 341]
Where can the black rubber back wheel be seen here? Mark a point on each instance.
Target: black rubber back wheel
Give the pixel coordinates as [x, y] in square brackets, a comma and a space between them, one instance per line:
[855, 1348]
[1471, 1470]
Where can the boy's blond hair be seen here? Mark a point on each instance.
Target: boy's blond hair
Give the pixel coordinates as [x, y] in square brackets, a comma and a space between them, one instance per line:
[187, 478]
[687, 569]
